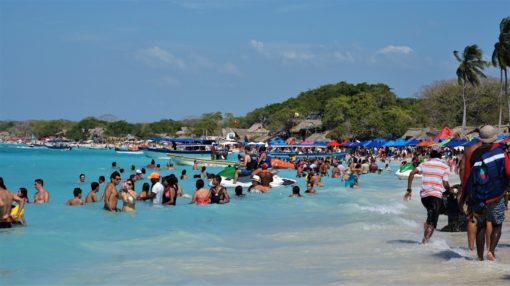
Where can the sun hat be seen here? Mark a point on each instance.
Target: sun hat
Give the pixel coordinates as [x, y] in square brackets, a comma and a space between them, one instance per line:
[154, 175]
[255, 178]
[488, 134]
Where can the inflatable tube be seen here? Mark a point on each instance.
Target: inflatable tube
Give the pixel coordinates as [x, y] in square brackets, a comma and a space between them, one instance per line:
[280, 164]
[14, 211]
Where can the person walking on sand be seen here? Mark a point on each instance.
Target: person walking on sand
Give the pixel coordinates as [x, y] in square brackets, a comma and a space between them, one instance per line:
[434, 182]
[42, 196]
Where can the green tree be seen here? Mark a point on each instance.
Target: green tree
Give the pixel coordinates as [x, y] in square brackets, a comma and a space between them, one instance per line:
[470, 68]
[81, 130]
[120, 128]
[501, 59]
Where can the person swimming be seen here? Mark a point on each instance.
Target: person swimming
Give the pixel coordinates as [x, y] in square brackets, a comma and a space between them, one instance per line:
[295, 192]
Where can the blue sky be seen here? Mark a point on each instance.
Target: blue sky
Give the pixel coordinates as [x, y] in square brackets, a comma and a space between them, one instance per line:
[148, 60]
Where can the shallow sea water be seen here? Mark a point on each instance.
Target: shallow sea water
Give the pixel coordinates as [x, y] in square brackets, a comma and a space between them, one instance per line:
[336, 237]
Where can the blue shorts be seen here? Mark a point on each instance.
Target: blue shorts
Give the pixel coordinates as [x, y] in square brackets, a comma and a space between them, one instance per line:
[493, 212]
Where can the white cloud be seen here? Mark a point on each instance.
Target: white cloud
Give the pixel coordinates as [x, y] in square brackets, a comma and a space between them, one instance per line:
[159, 56]
[298, 56]
[257, 45]
[229, 68]
[395, 50]
[345, 57]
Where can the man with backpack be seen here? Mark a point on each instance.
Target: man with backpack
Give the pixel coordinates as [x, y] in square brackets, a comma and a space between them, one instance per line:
[485, 179]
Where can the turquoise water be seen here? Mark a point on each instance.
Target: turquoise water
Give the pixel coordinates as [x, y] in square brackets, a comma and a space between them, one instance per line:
[351, 237]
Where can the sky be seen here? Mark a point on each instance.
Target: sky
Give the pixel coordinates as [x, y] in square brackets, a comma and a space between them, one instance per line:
[143, 61]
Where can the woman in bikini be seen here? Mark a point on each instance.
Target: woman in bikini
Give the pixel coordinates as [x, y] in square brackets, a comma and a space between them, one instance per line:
[202, 196]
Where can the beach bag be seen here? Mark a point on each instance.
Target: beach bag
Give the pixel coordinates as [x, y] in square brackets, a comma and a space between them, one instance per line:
[487, 181]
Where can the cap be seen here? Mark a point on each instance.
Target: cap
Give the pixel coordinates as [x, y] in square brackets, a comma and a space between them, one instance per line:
[154, 175]
[255, 178]
[488, 134]
[138, 171]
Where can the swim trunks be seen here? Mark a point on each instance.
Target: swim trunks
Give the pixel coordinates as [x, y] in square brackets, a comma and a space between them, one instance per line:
[493, 212]
[5, 224]
[433, 206]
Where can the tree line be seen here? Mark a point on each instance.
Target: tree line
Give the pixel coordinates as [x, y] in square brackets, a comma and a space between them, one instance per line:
[346, 110]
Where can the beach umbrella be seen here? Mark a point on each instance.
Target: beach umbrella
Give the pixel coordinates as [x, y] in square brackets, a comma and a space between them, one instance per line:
[333, 143]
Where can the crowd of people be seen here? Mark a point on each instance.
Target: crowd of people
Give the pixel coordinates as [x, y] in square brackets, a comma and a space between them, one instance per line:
[483, 168]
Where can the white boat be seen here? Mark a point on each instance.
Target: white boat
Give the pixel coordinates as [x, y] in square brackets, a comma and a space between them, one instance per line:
[245, 182]
[190, 161]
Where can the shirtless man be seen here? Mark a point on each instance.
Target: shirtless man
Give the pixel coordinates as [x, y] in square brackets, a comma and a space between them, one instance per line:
[92, 196]
[6, 199]
[110, 194]
[266, 177]
[41, 196]
[256, 187]
[77, 198]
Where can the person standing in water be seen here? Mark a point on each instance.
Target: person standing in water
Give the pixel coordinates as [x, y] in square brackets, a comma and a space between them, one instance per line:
[128, 196]
[92, 195]
[434, 182]
[6, 199]
[77, 198]
[486, 170]
[42, 196]
[110, 193]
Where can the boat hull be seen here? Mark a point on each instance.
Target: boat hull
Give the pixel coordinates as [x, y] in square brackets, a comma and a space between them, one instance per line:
[405, 175]
[207, 162]
[165, 153]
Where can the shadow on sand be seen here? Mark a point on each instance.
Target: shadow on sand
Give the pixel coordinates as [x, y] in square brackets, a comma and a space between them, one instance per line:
[403, 241]
[506, 277]
[450, 254]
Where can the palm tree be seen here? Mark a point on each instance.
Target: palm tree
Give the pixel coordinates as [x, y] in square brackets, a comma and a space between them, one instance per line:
[501, 59]
[470, 68]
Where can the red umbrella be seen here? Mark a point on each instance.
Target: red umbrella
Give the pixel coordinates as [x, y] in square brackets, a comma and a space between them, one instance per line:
[333, 143]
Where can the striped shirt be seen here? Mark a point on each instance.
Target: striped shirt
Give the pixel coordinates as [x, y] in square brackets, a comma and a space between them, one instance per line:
[433, 172]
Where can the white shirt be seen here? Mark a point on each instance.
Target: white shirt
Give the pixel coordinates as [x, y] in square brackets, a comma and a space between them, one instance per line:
[158, 190]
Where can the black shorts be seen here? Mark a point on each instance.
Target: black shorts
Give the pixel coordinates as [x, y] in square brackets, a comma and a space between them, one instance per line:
[433, 206]
[5, 224]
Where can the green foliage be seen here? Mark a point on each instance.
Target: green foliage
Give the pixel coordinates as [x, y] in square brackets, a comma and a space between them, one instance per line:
[45, 128]
[441, 105]
[81, 130]
[120, 128]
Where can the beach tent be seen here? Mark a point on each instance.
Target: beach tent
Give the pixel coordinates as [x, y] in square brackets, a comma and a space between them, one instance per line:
[445, 133]
[471, 143]
[456, 143]
[426, 143]
[412, 142]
